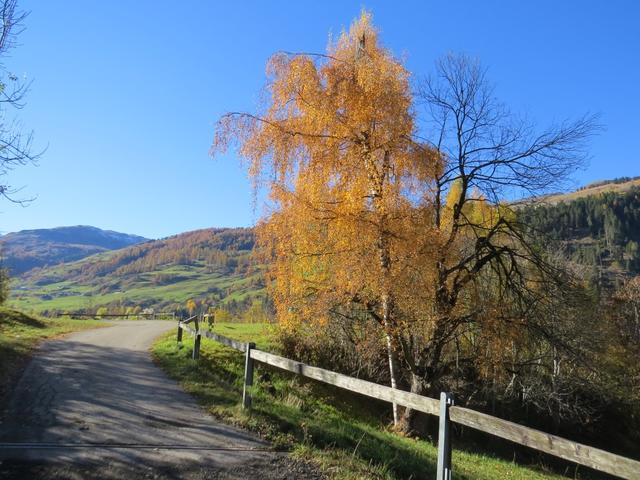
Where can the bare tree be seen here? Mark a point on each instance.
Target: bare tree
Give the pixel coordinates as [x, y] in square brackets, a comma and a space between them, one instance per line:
[15, 144]
[484, 268]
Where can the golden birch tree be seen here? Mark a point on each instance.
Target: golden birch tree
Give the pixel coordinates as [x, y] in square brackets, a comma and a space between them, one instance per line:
[350, 189]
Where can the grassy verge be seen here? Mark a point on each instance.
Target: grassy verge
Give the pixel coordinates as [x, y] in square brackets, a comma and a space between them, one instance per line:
[334, 429]
[20, 334]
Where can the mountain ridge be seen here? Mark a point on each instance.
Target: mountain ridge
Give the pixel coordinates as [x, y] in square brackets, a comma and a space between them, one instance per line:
[616, 185]
[37, 248]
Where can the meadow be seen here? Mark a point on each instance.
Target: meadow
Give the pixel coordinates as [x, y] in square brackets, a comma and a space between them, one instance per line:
[195, 281]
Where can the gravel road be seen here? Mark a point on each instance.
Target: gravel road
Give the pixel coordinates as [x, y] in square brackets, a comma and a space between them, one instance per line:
[93, 405]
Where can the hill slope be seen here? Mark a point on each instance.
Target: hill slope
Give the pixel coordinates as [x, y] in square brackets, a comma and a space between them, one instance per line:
[29, 249]
[213, 267]
[617, 185]
[598, 227]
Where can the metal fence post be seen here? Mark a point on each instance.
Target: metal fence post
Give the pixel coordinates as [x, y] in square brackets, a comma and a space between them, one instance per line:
[248, 376]
[444, 438]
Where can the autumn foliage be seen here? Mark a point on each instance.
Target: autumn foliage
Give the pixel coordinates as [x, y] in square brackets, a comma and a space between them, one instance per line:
[350, 188]
[390, 240]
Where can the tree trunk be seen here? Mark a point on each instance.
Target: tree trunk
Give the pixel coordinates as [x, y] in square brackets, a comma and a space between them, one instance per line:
[392, 354]
[425, 377]
[413, 421]
[378, 178]
[387, 320]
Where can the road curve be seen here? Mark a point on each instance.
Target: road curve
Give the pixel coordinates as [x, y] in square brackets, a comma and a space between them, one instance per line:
[93, 405]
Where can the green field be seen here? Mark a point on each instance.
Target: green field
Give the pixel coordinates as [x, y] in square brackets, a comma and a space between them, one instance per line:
[340, 432]
[30, 294]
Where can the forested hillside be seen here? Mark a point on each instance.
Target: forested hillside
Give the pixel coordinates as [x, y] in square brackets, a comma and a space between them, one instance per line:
[601, 231]
[212, 268]
[27, 249]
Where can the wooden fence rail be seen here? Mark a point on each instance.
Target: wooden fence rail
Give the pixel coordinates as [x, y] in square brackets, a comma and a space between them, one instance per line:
[591, 457]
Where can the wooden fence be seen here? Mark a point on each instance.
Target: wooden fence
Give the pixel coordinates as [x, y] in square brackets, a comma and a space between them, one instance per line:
[444, 408]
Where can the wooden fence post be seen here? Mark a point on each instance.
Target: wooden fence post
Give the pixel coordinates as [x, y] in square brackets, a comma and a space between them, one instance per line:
[179, 341]
[196, 347]
[196, 344]
[444, 438]
[248, 376]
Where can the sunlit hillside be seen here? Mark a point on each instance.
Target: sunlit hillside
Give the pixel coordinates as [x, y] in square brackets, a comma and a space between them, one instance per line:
[214, 267]
[619, 185]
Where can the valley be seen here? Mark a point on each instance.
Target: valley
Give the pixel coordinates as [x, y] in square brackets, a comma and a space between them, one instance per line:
[214, 268]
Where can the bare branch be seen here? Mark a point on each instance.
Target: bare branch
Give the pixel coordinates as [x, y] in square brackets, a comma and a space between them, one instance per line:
[15, 146]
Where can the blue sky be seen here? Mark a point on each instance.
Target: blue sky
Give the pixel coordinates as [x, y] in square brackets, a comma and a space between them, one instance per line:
[125, 94]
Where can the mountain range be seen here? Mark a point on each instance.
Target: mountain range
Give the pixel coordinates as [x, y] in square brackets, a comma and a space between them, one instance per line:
[85, 268]
[28, 249]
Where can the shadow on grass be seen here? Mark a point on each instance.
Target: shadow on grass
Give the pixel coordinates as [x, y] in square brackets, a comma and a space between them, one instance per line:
[12, 318]
[329, 431]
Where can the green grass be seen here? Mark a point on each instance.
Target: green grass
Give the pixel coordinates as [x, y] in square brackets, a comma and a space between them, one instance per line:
[338, 431]
[20, 334]
[137, 289]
